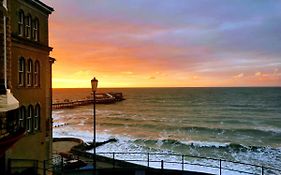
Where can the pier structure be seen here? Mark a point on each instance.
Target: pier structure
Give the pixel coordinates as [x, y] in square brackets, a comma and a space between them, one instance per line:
[101, 98]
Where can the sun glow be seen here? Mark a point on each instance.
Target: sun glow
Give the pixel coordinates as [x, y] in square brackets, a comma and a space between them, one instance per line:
[126, 48]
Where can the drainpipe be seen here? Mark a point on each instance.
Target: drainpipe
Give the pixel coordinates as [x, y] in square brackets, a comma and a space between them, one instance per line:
[3, 68]
[7, 101]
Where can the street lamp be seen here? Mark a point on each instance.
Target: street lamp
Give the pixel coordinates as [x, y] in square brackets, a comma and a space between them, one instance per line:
[94, 83]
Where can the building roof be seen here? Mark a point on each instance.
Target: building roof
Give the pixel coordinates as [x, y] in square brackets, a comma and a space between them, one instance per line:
[41, 5]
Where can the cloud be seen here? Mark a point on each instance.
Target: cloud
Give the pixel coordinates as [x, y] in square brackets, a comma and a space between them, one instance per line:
[128, 73]
[215, 39]
[258, 74]
[241, 75]
[195, 77]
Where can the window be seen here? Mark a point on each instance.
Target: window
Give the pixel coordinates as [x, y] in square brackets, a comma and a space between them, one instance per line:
[28, 126]
[36, 74]
[28, 26]
[35, 29]
[29, 72]
[21, 71]
[22, 113]
[20, 23]
[36, 118]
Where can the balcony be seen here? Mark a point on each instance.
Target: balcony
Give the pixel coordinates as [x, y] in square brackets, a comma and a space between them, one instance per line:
[9, 129]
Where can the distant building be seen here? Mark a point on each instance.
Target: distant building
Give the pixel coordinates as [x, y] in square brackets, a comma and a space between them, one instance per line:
[25, 68]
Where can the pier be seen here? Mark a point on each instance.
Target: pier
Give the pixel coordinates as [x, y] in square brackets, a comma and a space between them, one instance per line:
[101, 98]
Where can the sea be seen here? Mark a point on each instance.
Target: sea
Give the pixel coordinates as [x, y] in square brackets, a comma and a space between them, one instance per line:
[240, 126]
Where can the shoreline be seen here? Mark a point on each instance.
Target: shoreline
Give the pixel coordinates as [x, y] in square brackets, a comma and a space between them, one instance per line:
[70, 148]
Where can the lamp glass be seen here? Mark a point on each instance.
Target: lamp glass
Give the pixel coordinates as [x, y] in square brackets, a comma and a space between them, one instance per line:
[94, 83]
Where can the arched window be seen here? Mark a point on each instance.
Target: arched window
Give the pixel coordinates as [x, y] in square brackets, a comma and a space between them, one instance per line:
[21, 71]
[35, 31]
[37, 74]
[22, 113]
[29, 72]
[36, 121]
[28, 123]
[21, 23]
[28, 26]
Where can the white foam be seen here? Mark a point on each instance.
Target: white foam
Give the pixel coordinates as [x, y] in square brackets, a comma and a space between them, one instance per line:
[206, 144]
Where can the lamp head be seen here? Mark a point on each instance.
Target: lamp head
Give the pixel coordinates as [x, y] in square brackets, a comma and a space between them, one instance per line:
[94, 83]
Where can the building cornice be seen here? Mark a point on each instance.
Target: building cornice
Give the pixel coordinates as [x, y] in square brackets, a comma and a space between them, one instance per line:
[40, 5]
[20, 40]
[52, 60]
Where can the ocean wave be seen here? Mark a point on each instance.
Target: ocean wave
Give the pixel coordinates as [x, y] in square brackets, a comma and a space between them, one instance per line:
[257, 131]
[170, 143]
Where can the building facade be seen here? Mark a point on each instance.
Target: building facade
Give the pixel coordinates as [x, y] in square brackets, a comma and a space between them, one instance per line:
[27, 75]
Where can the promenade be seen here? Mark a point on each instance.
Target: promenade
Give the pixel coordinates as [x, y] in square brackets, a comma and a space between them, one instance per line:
[65, 147]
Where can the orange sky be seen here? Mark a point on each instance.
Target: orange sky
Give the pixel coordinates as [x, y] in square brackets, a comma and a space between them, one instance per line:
[152, 44]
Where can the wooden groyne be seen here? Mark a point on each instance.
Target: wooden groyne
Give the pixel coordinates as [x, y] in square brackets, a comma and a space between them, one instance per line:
[101, 98]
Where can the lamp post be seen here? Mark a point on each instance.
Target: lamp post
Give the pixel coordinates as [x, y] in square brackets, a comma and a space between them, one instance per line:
[94, 83]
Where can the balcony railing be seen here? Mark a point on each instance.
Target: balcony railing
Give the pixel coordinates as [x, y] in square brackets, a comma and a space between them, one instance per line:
[8, 123]
[189, 163]
[146, 161]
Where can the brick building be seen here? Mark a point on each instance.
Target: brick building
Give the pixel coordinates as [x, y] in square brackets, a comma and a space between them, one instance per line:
[25, 86]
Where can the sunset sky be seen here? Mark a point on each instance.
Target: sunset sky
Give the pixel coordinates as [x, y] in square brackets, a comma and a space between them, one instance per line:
[166, 43]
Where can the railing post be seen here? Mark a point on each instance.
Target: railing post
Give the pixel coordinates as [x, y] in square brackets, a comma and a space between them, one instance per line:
[35, 167]
[182, 162]
[113, 157]
[147, 159]
[9, 166]
[44, 167]
[162, 164]
[61, 164]
[262, 170]
[220, 166]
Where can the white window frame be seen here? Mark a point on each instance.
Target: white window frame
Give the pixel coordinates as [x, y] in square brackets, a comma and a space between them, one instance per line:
[22, 113]
[36, 29]
[28, 26]
[21, 23]
[29, 72]
[29, 119]
[36, 73]
[21, 71]
[36, 120]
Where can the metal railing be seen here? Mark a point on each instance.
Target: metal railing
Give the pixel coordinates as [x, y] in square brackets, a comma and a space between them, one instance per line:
[162, 161]
[189, 163]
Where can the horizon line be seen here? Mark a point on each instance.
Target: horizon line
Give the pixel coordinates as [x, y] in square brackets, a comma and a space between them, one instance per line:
[172, 87]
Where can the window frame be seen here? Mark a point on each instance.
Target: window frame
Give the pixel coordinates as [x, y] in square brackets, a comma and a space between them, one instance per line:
[36, 73]
[35, 30]
[21, 117]
[21, 71]
[29, 117]
[36, 118]
[21, 23]
[28, 24]
[29, 73]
